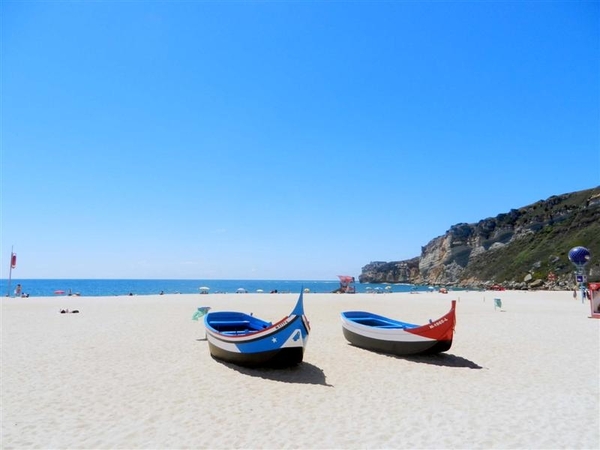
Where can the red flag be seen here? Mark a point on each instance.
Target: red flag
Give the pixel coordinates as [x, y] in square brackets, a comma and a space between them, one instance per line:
[13, 260]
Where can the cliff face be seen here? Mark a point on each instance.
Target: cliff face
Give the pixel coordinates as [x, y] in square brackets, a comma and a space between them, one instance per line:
[390, 272]
[517, 248]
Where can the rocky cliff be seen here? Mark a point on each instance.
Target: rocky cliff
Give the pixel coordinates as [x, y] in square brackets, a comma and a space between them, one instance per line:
[525, 247]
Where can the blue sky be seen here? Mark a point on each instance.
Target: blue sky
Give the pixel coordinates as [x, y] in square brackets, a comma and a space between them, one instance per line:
[282, 140]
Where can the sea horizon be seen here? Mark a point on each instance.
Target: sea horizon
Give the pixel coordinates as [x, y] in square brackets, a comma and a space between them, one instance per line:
[44, 287]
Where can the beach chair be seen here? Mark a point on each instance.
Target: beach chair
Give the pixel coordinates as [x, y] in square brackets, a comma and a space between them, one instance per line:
[202, 310]
[498, 303]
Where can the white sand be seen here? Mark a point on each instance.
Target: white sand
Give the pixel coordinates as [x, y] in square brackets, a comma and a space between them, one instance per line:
[135, 372]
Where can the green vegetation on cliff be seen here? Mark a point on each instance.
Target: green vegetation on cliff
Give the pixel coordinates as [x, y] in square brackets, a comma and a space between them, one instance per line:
[519, 248]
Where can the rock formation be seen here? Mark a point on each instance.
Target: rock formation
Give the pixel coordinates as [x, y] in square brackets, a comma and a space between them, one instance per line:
[523, 248]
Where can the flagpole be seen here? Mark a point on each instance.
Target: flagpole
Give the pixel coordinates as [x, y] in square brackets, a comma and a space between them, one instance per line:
[10, 270]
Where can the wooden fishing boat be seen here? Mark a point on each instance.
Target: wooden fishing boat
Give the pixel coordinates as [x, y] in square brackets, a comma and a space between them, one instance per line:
[381, 334]
[246, 340]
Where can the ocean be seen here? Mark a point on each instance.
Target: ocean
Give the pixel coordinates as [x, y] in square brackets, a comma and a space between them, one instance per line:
[99, 288]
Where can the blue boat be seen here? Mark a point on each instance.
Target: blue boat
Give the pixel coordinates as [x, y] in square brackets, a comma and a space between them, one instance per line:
[245, 340]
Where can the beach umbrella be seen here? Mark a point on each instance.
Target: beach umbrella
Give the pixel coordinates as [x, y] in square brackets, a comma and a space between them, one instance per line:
[241, 290]
[259, 290]
[204, 290]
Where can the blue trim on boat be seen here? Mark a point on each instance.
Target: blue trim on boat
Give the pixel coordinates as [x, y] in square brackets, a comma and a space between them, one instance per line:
[376, 321]
[243, 339]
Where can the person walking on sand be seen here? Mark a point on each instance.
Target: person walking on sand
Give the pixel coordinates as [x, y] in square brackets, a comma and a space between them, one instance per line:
[18, 291]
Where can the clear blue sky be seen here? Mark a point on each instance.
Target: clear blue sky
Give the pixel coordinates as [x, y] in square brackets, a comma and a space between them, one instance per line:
[282, 140]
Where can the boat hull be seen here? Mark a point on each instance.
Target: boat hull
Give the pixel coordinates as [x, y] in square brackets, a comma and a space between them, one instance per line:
[244, 340]
[383, 335]
[400, 348]
[287, 357]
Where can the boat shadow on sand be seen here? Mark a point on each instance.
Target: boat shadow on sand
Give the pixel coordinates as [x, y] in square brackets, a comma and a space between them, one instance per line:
[303, 373]
[442, 359]
[435, 359]
[438, 359]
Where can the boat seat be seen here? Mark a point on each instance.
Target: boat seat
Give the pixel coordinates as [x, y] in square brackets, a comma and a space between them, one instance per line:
[370, 322]
[231, 323]
[235, 332]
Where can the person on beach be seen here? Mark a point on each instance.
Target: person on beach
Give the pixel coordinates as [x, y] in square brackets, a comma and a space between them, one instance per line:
[18, 291]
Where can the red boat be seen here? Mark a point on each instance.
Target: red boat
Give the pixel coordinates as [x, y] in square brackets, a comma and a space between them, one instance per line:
[381, 334]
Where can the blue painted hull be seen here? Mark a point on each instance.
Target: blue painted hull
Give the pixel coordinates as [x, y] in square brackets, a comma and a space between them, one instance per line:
[242, 339]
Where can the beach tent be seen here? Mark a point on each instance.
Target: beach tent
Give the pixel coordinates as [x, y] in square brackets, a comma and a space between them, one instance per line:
[594, 296]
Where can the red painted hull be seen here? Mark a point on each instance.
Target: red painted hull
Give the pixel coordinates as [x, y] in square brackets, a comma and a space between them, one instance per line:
[384, 335]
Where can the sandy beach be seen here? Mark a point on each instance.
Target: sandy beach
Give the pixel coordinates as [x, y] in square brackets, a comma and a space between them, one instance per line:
[135, 373]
